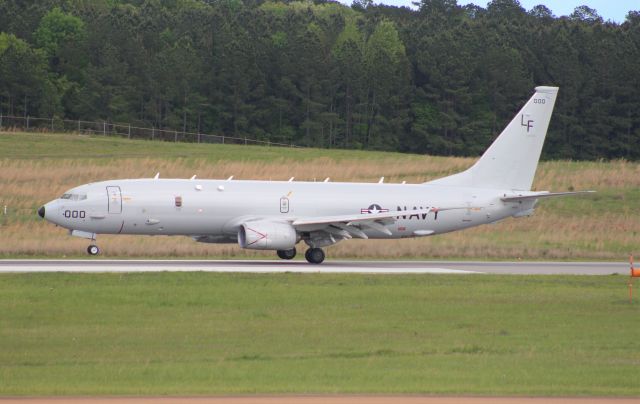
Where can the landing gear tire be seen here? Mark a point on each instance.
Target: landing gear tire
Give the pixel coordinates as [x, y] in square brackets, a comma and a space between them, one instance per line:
[314, 255]
[287, 254]
[93, 250]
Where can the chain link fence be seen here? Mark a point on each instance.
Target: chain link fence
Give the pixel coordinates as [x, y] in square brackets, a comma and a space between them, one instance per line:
[31, 124]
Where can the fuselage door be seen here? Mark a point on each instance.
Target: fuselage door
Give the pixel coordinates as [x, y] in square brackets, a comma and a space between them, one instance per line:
[115, 199]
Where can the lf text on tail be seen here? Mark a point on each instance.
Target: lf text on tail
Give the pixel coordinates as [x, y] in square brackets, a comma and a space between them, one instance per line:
[277, 215]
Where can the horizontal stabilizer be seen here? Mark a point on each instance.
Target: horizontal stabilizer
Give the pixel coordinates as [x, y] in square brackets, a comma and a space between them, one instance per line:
[538, 195]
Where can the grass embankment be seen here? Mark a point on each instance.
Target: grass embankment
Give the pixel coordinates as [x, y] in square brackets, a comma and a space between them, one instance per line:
[199, 333]
[35, 168]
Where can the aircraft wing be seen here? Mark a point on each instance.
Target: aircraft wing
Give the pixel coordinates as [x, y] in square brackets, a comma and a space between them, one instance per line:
[538, 195]
[352, 225]
[363, 217]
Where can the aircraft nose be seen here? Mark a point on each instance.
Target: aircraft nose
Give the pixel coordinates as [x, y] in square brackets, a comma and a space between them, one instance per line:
[41, 212]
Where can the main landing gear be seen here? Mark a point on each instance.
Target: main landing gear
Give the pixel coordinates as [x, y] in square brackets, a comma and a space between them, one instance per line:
[287, 254]
[314, 255]
[93, 249]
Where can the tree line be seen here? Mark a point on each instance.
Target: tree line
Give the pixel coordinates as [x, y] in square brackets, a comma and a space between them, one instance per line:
[440, 79]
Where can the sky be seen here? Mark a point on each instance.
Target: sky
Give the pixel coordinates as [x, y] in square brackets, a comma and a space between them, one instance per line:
[615, 10]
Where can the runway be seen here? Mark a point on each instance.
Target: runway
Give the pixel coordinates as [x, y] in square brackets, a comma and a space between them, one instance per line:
[344, 267]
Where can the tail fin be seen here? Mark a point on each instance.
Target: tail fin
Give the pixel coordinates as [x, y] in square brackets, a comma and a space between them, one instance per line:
[511, 161]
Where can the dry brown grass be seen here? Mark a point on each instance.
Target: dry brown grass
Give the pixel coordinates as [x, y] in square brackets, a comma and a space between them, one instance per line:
[602, 228]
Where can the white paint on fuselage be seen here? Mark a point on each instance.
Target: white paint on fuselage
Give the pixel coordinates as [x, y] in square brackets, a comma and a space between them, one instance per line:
[218, 207]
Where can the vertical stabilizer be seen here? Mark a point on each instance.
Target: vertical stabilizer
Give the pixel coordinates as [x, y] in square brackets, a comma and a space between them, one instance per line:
[511, 161]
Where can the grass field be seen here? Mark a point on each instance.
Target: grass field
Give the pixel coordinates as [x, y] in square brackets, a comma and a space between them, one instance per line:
[35, 168]
[203, 333]
[200, 333]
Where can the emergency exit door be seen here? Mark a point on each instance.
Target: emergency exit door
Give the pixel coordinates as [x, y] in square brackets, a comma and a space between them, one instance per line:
[115, 199]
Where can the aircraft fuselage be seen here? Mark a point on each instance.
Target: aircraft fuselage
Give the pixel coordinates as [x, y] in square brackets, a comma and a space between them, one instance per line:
[216, 208]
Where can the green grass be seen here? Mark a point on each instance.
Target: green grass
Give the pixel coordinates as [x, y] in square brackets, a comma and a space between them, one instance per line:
[610, 201]
[24, 145]
[198, 333]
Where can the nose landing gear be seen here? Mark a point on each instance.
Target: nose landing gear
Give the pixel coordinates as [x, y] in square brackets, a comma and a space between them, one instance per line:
[314, 255]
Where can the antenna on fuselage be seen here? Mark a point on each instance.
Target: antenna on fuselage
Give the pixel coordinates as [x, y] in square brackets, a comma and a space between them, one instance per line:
[381, 180]
[157, 176]
[326, 179]
[291, 179]
[193, 178]
[230, 178]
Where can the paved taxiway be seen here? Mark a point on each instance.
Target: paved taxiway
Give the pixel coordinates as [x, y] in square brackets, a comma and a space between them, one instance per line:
[365, 267]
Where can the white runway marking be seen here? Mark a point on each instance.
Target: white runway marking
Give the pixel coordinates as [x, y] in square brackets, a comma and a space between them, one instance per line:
[329, 266]
[94, 266]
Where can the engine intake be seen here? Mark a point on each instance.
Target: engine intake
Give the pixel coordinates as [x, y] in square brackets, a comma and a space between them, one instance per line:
[264, 235]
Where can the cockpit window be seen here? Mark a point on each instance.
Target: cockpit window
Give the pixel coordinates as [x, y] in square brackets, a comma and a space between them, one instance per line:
[74, 197]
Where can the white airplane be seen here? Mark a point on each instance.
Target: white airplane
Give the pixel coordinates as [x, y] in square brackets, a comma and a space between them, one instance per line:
[277, 215]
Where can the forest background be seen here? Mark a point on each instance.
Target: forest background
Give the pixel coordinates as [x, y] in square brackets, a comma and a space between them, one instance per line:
[441, 79]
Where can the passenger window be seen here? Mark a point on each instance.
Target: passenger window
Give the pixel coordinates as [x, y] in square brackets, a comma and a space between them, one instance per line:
[178, 201]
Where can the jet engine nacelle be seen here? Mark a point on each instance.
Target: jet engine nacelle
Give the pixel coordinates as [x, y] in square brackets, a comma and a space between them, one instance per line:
[265, 235]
